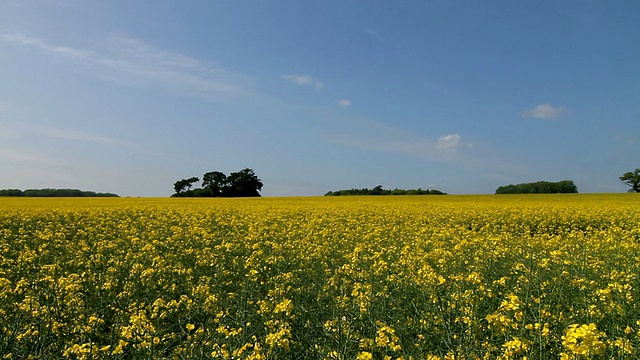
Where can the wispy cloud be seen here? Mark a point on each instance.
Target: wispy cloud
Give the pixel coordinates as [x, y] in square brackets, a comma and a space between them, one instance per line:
[134, 62]
[449, 142]
[76, 135]
[344, 102]
[304, 80]
[22, 132]
[24, 40]
[543, 111]
[17, 156]
[6, 132]
[371, 32]
[444, 149]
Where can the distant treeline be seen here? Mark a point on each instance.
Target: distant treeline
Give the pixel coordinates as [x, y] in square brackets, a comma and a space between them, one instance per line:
[378, 190]
[540, 187]
[244, 183]
[53, 193]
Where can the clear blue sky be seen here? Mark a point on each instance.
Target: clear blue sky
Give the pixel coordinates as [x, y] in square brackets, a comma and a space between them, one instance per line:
[462, 96]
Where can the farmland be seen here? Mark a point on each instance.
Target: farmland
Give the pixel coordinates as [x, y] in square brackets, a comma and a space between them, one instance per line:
[452, 277]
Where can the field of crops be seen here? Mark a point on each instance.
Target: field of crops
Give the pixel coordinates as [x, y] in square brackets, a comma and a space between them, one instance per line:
[425, 277]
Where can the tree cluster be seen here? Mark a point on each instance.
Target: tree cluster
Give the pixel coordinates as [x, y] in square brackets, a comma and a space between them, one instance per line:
[632, 179]
[54, 193]
[540, 187]
[243, 183]
[378, 190]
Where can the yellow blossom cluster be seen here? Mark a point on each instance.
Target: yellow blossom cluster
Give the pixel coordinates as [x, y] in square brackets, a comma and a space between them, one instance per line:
[412, 277]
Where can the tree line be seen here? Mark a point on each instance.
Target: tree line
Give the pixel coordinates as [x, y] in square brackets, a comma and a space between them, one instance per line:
[539, 187]
[378, 190]
[54, 193]
[243, 183]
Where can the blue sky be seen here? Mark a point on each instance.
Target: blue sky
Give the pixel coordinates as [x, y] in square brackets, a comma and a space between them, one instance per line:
[462, 96]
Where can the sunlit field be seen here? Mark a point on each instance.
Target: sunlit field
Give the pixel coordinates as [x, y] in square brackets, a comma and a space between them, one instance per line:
[425, 277]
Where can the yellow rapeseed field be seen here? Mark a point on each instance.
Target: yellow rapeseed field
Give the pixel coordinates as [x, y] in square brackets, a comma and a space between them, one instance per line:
[425, 277]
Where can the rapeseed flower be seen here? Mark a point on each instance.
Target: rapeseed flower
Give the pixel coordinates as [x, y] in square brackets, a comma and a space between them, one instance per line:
[457, 277]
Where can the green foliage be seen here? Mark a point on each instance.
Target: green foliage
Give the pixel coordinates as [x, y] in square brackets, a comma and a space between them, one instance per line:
[378, 190]
[11, 192]
[54, 193]
[215, 182]
[180, 185]
[243, 183]
[632, 179]
[540, 187]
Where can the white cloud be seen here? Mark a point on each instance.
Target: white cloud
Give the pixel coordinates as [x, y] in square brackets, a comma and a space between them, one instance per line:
[304, 80]
[344, 102]
[543, 111]
[133, 62]
[449, 142]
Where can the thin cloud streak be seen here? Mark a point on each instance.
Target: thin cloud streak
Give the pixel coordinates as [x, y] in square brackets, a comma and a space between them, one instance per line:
[136, 63]
[69, 134]
[81, 136]
[447, 148]
[543, 111]
[304, 80]
[17, 156]
[24, 40]
[21, 131]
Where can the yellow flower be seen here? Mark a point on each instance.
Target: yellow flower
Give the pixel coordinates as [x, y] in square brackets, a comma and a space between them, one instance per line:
[285, 306]
[120, 348]
[583, 340]
[514, 347]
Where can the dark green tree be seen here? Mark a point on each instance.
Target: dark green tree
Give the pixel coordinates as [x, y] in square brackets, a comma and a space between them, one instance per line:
[632, 179]
[11, 192]
[539, 187]
[243, 183]
[54, 193]
[216, 182]
[378, 190]
[180, 185]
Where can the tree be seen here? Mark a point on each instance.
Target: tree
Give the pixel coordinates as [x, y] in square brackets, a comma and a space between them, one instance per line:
[217, 184]
[632, 179]
[378, 190]
[54, 193]
[11, 192]
[539, 187]
[243, 183]
[215, 181]
[180, 185]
